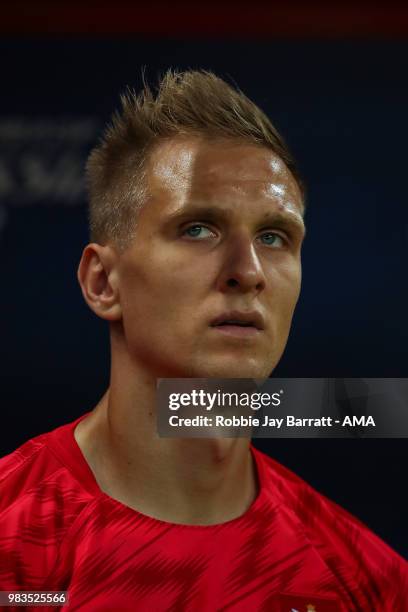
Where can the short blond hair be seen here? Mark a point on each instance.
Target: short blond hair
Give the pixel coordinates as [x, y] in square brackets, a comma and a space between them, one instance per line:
[195, 102]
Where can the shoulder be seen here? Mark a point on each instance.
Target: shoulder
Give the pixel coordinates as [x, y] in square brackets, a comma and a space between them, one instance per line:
[349, 548]
[39, 501]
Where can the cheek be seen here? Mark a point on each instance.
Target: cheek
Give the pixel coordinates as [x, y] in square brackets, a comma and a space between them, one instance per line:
[285, 285]
[159, 298]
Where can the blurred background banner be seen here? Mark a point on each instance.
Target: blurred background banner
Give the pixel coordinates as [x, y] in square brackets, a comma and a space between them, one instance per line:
[332, 77]
[42, 160]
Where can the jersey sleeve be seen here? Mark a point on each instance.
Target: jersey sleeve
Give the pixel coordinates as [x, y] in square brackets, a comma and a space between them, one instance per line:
[360, 557]
[363, 563]
[39, 501]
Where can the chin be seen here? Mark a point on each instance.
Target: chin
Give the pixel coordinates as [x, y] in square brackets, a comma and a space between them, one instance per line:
[229, 369]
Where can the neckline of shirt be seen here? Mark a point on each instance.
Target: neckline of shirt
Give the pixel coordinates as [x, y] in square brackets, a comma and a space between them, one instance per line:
[63, 443]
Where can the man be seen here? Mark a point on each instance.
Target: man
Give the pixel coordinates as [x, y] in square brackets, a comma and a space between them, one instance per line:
[196, 214]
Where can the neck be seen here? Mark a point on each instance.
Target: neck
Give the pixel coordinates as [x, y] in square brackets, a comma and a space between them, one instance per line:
[199, 481]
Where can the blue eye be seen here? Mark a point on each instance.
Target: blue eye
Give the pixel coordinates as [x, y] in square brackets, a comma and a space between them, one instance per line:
[272, 239]
[197, 231]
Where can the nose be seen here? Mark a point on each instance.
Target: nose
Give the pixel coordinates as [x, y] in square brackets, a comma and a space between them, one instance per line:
[241, 270]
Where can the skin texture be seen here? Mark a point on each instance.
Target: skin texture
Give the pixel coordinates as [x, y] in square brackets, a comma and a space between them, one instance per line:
[222, 230]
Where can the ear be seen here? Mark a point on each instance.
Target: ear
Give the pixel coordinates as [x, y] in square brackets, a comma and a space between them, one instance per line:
[98, 278]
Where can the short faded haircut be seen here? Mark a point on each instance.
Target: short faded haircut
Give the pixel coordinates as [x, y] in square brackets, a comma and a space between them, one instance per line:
[191, 103]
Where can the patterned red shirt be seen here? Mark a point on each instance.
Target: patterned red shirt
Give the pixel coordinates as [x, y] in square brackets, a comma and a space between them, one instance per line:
[292, 550]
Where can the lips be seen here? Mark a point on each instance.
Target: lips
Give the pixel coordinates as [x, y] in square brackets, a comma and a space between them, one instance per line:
[236, 318]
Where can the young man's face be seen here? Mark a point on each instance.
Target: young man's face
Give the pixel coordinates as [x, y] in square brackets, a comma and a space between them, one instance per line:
[209, 284]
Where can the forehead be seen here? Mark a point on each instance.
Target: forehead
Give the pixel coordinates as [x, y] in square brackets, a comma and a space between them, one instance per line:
[188, 170]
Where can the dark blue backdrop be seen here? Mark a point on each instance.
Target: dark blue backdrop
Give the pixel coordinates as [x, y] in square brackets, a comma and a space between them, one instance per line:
[342, 107]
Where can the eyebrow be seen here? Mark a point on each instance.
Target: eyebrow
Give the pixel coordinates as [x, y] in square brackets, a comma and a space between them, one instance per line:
[214, 213]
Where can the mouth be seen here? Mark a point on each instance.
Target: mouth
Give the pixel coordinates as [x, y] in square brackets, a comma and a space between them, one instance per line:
[239, 324]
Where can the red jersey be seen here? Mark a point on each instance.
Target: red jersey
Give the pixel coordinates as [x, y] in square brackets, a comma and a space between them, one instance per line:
[292, 550]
